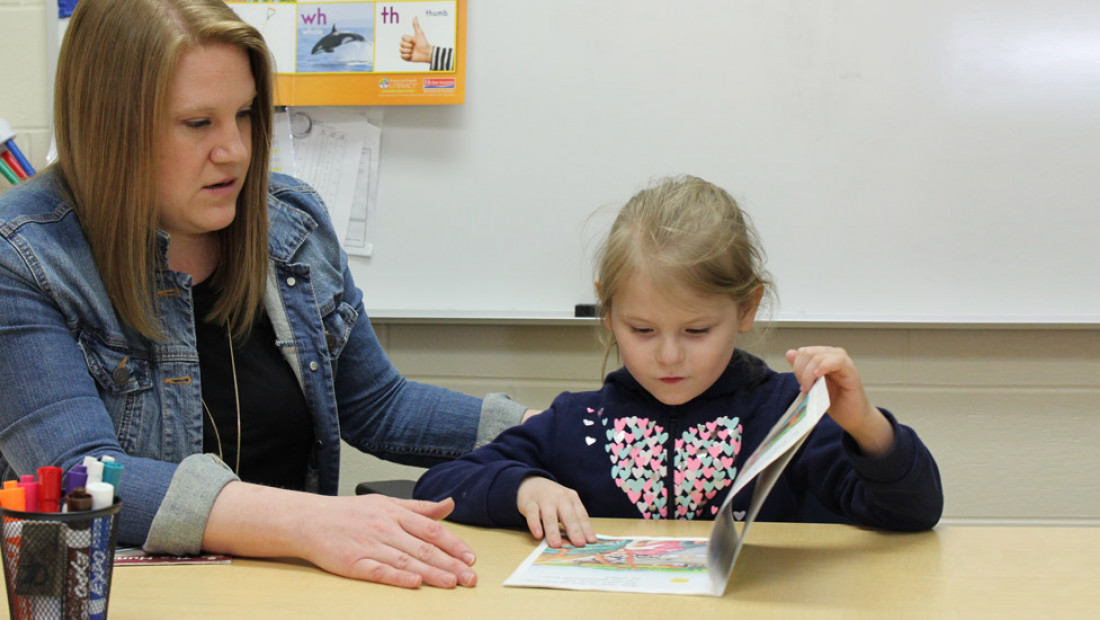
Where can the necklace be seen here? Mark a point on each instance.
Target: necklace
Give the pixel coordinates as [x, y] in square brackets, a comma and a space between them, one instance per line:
[236, 398]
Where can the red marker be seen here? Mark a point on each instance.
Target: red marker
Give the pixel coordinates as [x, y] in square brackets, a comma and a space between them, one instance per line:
[10, 160]
[49, 489]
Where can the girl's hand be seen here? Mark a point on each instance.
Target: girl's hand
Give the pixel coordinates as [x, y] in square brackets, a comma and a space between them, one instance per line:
[546, 503]
[849, 405]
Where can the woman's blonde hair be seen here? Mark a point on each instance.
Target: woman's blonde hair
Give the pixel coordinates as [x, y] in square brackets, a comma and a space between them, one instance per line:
[113, 76]
[683, 231]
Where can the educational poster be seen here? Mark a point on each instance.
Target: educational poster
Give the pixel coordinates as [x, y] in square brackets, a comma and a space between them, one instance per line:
[364, 52]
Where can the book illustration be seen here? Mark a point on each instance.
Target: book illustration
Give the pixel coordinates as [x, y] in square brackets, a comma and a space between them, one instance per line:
[678, 565]
[779, 438]
[668, 555]
[635, 564]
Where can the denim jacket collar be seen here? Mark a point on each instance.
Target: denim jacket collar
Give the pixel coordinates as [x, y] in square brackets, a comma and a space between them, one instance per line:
[290, 227]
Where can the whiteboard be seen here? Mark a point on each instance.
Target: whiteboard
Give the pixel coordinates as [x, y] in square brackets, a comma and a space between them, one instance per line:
[908, 161]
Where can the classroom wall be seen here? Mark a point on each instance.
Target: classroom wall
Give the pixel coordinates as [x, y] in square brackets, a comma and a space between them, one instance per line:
[1011, 415]
[913, 142]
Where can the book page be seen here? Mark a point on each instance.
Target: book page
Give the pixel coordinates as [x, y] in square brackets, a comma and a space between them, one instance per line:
[654, 565]
[768, 461]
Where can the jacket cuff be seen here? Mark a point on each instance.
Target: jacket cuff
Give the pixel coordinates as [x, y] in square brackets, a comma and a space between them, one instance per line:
[180, 522]
[498, 412]
[892, 466]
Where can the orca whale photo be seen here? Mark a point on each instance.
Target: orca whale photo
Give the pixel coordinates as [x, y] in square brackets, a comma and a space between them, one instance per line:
[334, 39]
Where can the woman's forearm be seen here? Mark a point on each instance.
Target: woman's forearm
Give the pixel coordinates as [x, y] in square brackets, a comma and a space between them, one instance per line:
[256, 521]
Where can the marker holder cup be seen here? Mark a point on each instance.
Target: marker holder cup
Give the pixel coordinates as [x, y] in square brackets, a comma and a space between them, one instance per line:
[59, 565]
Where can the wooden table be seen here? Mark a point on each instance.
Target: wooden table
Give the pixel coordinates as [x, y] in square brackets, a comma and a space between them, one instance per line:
[785, 570]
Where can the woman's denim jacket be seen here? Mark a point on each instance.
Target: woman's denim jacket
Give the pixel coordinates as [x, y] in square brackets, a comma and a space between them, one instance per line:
[79, 382]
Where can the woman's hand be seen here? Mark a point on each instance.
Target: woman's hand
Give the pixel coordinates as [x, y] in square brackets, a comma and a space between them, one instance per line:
[392, 541]
[546, 504]
[370, 537]
[848, 402]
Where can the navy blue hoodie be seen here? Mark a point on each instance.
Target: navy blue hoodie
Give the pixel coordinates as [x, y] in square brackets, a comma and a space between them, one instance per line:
[629, 455]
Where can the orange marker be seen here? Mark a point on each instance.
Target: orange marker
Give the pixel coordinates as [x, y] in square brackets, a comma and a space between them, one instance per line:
[12, 497]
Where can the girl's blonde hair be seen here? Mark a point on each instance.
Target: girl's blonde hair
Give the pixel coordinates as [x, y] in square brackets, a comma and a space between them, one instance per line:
[683, 231]
[113, 75]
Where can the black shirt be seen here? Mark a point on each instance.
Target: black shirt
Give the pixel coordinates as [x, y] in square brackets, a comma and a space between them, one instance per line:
[276, 429]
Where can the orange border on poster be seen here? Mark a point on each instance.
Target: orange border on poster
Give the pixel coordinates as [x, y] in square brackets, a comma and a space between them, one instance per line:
[379, 88]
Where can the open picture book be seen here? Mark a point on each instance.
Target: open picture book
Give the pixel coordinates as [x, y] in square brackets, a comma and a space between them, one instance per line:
[679, 565]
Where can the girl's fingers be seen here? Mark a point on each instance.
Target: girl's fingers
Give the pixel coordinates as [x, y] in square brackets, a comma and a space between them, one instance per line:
[534, 523]
[551, 529]
[811, 363]
[552, 510]
[578, 527]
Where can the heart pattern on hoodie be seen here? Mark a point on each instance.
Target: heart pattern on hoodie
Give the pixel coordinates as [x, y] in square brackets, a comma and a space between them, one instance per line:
[705, 454]
[639, 463]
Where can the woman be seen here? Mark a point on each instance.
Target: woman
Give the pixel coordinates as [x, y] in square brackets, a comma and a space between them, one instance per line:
[169, 305]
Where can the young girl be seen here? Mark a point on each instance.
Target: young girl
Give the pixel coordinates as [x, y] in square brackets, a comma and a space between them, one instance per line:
[680, 279]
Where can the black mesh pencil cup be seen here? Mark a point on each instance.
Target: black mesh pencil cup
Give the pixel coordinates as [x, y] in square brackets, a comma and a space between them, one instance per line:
[59, 565]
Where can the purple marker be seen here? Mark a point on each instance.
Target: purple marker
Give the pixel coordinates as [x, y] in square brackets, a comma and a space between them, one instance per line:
[76, 477]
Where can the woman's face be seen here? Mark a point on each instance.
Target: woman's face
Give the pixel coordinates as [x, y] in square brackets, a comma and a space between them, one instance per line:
[204, 143]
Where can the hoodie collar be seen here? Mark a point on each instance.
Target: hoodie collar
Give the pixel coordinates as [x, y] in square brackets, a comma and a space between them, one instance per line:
[744, 370]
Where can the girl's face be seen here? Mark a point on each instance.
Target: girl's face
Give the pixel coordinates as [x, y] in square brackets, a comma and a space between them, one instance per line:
[204, 143]
[677, 342]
